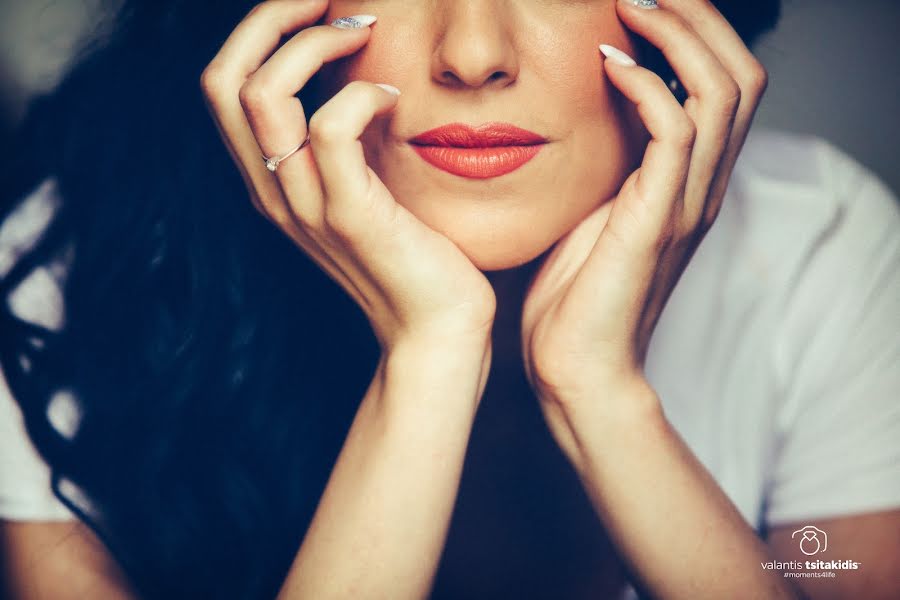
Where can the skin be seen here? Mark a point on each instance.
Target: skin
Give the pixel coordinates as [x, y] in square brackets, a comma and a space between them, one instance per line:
[549, 82]
[453, 274]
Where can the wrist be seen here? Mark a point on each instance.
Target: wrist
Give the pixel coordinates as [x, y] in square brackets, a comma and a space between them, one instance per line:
[441, 374]
[599, 420]
[437, 356]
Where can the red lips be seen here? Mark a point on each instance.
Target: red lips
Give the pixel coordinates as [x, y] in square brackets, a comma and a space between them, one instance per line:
[490, 150]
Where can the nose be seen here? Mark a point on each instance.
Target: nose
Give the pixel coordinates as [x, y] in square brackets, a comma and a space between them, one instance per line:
[475, 47]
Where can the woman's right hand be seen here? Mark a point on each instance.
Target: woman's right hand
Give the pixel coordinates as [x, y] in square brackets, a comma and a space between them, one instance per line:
[410, 280]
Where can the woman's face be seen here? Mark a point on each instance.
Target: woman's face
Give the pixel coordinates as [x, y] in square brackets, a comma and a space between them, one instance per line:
[533, 64]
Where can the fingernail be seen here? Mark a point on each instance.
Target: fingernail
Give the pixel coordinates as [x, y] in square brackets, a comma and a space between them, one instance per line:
[354, 22]
[649, 4]
[389, 88]
[616, 55]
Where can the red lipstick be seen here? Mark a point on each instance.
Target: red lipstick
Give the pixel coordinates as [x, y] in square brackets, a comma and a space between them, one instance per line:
[490, 150]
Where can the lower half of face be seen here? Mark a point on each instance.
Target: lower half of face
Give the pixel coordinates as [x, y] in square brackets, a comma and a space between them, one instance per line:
[535, 66]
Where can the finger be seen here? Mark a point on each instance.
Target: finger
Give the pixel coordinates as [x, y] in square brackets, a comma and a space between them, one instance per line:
[334, 131]
[261, 31]
[624, 258]
[704, 18]
[645, 210]
[744, 68]
[276, 116]
[251, 42]
[696, 65]
[713, 97]
[269, 97]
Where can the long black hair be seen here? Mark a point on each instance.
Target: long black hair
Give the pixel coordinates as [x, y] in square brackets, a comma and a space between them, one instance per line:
[215, 366]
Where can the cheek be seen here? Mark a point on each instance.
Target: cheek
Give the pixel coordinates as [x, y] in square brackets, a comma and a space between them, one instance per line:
[385, 58]
[561, 87]
[605, 136]
[566, 48]
[593, 100]
[393, 47]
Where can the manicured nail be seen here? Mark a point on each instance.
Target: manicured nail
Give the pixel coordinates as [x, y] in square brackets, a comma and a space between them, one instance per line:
[389, 88]
[354, 22]
[616, 55]
[642, 3]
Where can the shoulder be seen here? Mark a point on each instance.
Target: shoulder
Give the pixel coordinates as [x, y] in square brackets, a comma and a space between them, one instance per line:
[801, 162]
[806, 220]
[820, 238]
[830, 223]
[823, 235]
[37, 298]
[802, 221]
[25, 492]
[793, 188]
[26, 221]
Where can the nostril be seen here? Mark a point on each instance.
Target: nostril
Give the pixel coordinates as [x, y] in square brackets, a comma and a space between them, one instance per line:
[450, 77]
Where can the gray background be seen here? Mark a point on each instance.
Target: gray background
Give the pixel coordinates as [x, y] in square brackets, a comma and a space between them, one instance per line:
[834, 68]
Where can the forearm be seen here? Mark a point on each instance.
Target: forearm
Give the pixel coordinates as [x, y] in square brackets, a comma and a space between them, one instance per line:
[381, 524]
[678, 531]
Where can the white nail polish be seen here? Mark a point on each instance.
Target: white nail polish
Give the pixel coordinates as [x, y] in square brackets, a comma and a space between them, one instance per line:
[616, 55]
[354, 22]
[389, 88]
[647, 4]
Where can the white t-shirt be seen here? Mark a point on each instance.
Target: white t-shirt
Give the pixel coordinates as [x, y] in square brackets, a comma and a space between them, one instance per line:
[777, 357]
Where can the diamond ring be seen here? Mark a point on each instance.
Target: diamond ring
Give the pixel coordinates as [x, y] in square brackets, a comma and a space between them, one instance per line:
[273, 162]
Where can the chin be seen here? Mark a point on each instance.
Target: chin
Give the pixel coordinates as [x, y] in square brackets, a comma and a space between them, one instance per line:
[495, 234]
[493, 253]
[501, 262]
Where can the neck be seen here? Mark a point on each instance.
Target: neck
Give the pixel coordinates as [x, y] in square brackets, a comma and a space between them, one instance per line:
[510, 287]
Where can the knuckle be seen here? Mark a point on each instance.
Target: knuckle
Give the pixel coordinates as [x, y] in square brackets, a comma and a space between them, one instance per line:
[656, 80]
[664, 238]
[549, 361]
[324, 128]
[755, 79]
[709, 217]
[258, 8]
[727, 96]
[358, 88]
[684, 133]
[683, 231]
[212, 80]
[254, 95]
[309, 222]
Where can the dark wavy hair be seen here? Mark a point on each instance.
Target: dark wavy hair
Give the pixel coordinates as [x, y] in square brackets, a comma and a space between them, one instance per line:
[217, 368]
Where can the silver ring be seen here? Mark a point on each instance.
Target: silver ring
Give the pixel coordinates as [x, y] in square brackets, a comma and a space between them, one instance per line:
[273, 162]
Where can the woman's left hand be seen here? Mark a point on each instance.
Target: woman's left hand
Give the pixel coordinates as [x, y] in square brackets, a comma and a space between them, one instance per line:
[592, 307]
